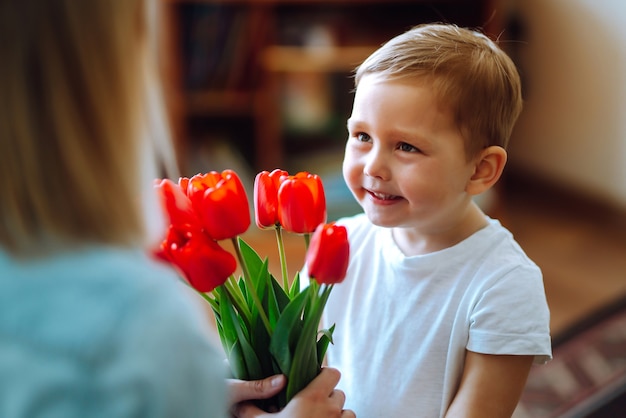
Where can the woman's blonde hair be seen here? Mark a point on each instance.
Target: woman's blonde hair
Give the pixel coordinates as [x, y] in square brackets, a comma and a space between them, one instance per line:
[469, 72]
[78, 140]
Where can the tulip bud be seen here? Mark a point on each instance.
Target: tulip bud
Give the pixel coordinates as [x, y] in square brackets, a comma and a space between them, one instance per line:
[328, 254]
[221, 203]
[266, 187]
[301, 203]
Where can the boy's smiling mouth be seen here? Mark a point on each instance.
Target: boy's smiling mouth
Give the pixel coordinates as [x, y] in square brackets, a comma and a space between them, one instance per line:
[382, 196]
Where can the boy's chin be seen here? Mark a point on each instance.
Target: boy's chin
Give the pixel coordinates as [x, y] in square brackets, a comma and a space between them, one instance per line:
[381, 221]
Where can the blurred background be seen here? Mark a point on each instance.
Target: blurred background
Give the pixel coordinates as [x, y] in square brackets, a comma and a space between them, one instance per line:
[261, 84]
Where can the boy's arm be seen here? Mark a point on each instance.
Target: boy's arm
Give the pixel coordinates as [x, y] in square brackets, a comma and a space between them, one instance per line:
[491, 386]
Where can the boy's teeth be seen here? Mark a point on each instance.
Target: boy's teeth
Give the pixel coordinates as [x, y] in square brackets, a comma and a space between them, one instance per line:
[383, 196]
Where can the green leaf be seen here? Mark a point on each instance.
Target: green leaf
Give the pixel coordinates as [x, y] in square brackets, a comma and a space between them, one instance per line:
[304, 365]
[251, 258]
[234, 326]
[228, 332]
[260, 283]
[260, 337]
[236, 361]
[295, 286]
[253, 364]
[242, 287]
[270, 300]
[237, 300]
[226, 345]
[287, 332]
[322, 344]
[258, 270]
[282, 297]
[260, 341]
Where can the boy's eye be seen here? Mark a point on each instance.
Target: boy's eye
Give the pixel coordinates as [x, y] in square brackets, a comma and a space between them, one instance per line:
[362, 137]
[403, 146]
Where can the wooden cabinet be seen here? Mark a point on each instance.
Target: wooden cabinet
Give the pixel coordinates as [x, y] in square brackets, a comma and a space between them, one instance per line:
[273, 77]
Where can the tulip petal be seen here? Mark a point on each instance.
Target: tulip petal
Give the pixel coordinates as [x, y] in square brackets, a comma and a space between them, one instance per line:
[202, 261]
[175, 201]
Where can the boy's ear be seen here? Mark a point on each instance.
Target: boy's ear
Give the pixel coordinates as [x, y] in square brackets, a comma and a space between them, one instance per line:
[488, 168]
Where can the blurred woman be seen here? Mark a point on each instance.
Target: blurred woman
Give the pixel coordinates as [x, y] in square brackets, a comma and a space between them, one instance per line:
[90, 325]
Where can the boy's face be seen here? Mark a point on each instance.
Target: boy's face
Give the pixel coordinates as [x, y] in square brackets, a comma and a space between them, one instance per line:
[405, 161]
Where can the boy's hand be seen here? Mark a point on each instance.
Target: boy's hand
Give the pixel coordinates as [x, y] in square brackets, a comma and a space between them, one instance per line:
[319, 399]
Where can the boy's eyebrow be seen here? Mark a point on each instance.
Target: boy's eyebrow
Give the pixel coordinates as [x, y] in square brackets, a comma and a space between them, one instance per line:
[352, 122]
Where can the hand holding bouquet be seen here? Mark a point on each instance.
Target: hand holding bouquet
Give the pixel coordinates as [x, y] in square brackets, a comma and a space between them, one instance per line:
[266, 326]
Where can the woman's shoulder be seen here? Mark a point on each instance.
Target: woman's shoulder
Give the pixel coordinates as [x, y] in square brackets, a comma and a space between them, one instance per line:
[87, 299]
[103, 319]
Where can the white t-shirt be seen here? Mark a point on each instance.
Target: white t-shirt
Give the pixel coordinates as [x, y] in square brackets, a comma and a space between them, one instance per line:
[404, 323]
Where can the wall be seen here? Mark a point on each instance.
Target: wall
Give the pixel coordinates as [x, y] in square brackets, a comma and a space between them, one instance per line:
[573, 128]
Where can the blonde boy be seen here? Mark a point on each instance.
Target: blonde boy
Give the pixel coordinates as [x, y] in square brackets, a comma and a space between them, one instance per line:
[442, 313]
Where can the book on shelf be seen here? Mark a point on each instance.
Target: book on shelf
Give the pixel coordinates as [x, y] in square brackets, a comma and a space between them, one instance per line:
[218, 45]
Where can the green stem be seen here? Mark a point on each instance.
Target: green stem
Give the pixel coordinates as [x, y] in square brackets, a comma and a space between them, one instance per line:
[251, 287]
[283, 259]
[307, 240]
[313, 294]
[210, 299]
[238, 298]
[235, 295]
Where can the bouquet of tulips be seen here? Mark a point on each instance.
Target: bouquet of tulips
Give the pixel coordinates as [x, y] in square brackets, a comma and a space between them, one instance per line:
[266, 326]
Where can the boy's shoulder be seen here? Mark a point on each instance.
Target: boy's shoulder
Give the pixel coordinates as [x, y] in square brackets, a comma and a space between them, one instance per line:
[354, 220]
[499, 247]
[361, 231]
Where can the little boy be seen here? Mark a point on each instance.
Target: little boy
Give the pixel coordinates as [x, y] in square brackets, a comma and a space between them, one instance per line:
[442, 313]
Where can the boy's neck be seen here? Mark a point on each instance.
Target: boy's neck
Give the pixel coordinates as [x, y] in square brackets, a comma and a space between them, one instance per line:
[417, 242]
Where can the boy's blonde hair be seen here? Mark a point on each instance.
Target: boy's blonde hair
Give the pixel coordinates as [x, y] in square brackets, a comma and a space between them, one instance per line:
[470, 74]
[78, 141]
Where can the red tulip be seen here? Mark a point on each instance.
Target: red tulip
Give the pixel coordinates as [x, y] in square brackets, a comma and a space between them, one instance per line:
[328, 254]
[301, 203]
[202, 261]
[266, 187]
[176, 203]
[221, 203]
[183, 182]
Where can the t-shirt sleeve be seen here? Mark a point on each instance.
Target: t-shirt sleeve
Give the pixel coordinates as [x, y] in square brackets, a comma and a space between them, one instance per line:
[511, 316]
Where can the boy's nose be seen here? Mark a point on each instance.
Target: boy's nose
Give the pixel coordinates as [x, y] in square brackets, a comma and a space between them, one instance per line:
[376, 165]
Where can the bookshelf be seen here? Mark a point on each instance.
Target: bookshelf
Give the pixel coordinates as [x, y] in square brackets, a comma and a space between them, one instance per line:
[273, 77]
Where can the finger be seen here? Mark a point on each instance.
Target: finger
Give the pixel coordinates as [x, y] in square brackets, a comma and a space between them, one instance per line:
[245, 410]
[241, 390]
[339, 397]
[325, 381]
[346, 413]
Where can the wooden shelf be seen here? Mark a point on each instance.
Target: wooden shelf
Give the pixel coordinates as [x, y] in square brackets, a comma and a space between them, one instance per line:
[299, 2]
[240, 59]
[314, 59]
[219, 103]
